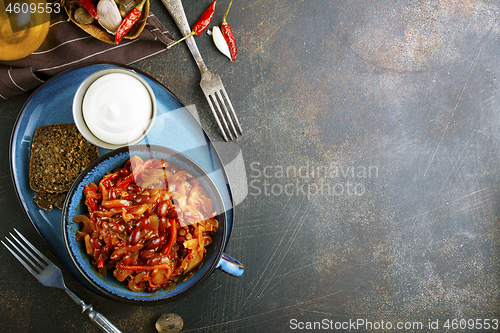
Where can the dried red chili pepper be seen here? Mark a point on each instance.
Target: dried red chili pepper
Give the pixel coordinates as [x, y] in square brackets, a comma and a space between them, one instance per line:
[129, 21]
[89, 6]
[204, 19]
[201, 24]
[228, 35]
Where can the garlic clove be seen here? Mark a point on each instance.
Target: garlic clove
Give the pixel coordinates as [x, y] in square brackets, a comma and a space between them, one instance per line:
[220, 42]
[109, 15]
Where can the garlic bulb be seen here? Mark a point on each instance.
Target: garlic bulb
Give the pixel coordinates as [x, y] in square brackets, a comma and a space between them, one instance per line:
[109, 15]
[220, 42]
[126, 7]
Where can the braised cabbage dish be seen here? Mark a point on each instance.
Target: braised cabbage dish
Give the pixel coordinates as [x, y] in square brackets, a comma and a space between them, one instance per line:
[149, 223]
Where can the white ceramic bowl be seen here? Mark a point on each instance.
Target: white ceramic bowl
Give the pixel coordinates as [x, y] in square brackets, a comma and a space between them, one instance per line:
[80, 119]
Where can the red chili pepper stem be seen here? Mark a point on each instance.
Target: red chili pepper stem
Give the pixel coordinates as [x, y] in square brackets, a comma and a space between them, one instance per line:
[227, 11]
[140, 6]
[129, 21]
[227, 33]
[192, 33]
[200, 25]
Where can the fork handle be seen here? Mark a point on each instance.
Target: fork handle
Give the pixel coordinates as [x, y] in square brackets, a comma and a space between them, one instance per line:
[98, 318]
[101, 321]
[176, 10]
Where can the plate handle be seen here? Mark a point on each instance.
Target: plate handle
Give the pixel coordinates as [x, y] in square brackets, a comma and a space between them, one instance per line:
[231, 266]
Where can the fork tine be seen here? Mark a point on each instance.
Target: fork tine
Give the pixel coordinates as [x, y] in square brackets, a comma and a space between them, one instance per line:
[214, 97]
[45, 260]
[209, 100]
[21, 260]
[51, 276]
[232, 109]
[41, 260]
[218, 94]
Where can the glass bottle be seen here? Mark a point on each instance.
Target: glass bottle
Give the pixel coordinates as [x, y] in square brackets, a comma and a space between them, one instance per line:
[24, 24]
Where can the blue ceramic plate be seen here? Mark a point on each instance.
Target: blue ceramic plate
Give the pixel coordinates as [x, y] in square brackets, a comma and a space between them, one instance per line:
[75, 205]
[174, 128]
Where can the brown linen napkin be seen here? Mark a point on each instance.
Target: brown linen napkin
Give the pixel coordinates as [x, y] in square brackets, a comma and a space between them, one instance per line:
[67, 46]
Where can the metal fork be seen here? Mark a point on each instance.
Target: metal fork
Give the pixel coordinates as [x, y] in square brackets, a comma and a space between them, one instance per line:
[51, 276]
[211, 84]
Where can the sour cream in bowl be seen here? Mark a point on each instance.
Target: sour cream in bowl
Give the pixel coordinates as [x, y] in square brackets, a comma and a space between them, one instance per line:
[114, 107]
